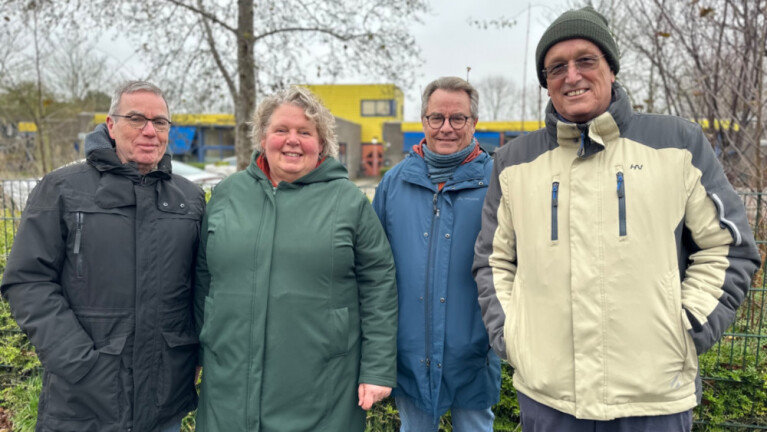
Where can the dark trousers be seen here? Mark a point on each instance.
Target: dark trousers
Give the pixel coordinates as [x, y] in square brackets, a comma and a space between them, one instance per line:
[537, 417]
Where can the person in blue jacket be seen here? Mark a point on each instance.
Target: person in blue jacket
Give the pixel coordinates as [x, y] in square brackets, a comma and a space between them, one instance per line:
[430, 206]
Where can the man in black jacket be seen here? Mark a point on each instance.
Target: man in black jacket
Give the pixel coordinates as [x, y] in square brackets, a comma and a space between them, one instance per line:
[100, 277]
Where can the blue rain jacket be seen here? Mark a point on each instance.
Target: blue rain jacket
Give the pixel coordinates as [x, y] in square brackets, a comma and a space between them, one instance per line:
[444, 358]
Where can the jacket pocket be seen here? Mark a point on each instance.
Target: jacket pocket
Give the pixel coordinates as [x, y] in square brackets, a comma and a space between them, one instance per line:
[339, 331]
[95, 396]
[677, 317]
[79, 216]
[175, 382]
[511, 327]
[88, 255]
[555, 209]
[621, 192]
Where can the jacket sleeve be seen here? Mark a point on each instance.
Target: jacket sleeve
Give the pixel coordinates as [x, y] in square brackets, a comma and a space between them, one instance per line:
[495, 261]
[379, 200]
[377, 285]
[723, 254]
[201, 280]
[32, 286]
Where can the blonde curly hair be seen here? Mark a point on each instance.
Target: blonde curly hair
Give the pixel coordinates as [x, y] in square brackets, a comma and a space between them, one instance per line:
[314, 110]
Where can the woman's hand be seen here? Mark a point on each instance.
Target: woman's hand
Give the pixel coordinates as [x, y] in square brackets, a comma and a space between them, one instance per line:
[370, 394]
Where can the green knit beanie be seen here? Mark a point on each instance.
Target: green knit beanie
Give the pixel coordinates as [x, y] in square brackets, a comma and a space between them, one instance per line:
[583, 23]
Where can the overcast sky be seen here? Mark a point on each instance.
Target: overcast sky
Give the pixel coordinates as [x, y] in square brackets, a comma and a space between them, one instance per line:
[449, 43]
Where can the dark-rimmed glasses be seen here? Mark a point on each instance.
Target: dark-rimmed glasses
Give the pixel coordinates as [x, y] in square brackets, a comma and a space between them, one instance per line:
[559, 70]
[138, 121]
[457, 121]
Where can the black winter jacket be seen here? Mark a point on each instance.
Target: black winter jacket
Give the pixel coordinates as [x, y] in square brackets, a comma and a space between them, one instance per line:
[100, 279]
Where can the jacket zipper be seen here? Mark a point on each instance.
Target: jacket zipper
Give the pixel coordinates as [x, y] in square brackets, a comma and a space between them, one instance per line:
[427, 295]
[621, 204]
[554, 210]
[582, 148]
[78, 239]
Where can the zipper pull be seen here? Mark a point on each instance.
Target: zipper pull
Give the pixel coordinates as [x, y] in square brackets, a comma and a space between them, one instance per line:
[428, 362]
[554, 194]
[554, 206]
[78, 232]
[621, 189]
[436, 210]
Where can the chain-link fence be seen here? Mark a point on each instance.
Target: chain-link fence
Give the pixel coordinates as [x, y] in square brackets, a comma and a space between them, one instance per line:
[734, 371]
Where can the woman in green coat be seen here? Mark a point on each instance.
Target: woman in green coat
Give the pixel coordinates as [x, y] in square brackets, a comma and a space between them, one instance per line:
[296, 300]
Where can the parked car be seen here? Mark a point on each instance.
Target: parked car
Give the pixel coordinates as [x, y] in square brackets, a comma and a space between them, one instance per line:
[225, 167]
[14, 193]
[205, 179]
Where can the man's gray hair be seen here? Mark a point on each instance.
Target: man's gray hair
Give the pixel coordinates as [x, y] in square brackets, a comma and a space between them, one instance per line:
[313, 108]
[129, 87]
[451, 84]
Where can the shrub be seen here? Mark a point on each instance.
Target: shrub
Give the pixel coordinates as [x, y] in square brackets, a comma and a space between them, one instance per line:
[21, 401]
[383, 417]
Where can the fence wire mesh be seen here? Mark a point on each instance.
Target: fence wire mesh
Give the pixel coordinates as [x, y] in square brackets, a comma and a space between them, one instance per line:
[733, 372]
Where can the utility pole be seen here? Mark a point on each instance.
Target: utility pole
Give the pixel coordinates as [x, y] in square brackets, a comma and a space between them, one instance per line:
[524, 71]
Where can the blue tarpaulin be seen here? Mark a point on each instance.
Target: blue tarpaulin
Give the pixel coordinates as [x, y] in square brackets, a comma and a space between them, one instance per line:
[409, 139]
[180, 139]
[487, 140]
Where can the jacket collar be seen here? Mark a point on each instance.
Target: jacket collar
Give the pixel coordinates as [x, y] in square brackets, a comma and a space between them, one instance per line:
[594, 136]
[467, 176]
[117, 180]
[329, 169]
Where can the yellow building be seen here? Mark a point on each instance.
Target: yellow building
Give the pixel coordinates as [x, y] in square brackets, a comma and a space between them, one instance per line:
[368, 105]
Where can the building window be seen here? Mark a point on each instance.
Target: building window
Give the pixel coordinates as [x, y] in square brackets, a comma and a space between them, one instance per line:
[378, 108]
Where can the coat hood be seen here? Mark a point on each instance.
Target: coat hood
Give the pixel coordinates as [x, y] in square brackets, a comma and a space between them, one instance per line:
[329, 169]
[98, 139]
[100, 152]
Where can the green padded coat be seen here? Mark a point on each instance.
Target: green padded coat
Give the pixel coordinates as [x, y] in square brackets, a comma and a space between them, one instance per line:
[295, 302]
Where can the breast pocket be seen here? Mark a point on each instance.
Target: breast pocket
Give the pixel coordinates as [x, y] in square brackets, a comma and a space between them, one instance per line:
[99, 252]
[174, 250]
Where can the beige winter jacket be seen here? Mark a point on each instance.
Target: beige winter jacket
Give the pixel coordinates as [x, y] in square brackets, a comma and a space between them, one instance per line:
[610, 256]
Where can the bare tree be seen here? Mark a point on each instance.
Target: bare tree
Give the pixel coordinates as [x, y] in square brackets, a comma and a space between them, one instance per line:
[498, 95]
[501, 100]
[703, 60]
[216, 53]
[47, 76]
[75, 69]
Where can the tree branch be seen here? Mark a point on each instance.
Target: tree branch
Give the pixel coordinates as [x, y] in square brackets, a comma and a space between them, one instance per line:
[204, 13]
[310, 29]
[216, 55]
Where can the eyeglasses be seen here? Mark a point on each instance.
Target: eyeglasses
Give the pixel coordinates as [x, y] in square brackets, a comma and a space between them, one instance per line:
[457, 121]
[138, 121]
[559, 70]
